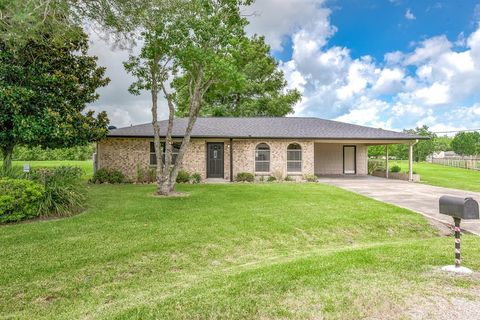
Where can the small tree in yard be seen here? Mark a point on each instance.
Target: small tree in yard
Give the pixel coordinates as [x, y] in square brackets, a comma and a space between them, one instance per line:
[44, 88]
[189, 42]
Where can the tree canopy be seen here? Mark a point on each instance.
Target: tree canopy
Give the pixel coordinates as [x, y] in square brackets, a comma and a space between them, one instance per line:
[466, 143]
[421, 149]
[260, 91]
[44, 88]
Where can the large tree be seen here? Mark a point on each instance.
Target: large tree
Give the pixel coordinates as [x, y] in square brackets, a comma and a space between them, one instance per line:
[443, 143]
[45, 85]
[20, 20]
[192, 41]
[261, 91]
[466, 143]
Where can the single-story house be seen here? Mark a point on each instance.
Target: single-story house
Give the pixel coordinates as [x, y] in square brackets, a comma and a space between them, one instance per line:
[220, 148]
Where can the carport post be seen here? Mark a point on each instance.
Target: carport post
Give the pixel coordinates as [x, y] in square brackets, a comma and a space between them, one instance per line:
[386, 161]
[410, 161]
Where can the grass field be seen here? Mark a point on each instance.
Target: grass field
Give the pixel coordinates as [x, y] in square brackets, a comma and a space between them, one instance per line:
[443, 176]
[87, 166]
[232, 251]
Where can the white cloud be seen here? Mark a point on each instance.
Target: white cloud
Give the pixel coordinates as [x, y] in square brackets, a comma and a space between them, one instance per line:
[390, 81]
[394, 57]
[276, 19]
[437, 93]
[402, 109]
[367, 112]
[357, 78]
[409, 15]
[429, 49]
[294, 78]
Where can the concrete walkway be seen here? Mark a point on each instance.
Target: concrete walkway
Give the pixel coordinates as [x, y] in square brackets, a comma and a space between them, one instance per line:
[417, 197]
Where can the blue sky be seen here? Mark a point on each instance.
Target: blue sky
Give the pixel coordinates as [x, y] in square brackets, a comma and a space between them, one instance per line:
[392, 64]
[373, 27]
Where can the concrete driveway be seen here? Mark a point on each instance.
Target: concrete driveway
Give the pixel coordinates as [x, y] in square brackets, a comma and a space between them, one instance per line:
[417, 197]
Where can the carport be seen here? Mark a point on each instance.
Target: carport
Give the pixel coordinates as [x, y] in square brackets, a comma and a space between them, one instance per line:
[350, 157]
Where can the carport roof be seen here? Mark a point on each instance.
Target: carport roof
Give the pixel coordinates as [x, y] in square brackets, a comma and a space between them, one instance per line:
[267, 127]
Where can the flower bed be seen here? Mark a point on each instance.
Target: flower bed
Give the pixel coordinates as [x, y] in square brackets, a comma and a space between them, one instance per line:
[396, 175]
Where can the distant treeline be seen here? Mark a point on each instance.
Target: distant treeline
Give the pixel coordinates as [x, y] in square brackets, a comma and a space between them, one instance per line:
[36, 153]
[463, 144]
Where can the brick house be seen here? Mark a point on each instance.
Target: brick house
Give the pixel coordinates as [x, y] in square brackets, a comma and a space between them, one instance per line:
[289, 146]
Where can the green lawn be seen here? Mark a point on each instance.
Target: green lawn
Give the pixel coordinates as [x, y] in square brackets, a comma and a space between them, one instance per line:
[443, 176]
[231, 251]
[87, 166]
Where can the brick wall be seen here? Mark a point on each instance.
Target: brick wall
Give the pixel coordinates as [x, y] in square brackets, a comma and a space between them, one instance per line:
[244, 156]
[126, 154]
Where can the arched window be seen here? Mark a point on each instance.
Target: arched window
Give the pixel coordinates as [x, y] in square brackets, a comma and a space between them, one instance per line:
[262, 158]
[294, 158]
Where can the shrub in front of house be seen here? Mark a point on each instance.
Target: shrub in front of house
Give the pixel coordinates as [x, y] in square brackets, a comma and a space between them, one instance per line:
[140, 175]
[395, 168]
[245, 177]
[278, 175]
[289, 178]
[145, 175]
[195, 178]
[183, 177]
[151, 175]
[106, 175]
[271, 179]
[310, 178]
[375, 165]
[19, 199]
[65, 192]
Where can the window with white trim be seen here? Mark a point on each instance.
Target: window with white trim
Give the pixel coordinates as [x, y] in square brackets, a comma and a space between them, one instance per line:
[262, 158]
[294, 158]
[153, 157]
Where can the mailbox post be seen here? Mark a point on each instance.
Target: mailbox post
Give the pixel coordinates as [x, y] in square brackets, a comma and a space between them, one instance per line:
[458, 208]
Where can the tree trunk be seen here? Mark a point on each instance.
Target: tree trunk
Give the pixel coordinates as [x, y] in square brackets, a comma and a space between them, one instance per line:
[195, 101]
[168, 145]
[7, 152]
[156, 129]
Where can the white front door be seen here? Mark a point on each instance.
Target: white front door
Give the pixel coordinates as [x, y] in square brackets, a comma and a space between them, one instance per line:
[349, 159]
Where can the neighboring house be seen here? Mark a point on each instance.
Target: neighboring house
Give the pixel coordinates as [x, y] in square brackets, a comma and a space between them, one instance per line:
[445, 155]
[262, 146]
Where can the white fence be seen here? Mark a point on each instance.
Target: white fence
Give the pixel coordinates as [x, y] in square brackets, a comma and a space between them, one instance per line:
[465, 163]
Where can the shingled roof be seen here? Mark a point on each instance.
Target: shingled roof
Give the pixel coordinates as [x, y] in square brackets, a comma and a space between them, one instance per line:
[267, 127]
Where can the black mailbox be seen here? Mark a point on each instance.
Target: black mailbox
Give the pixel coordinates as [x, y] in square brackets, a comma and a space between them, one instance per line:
[463, 208]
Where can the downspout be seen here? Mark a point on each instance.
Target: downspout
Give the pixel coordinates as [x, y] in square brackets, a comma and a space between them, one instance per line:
[231, 160]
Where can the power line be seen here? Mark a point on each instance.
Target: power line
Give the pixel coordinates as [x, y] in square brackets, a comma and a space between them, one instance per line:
[466, 130]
